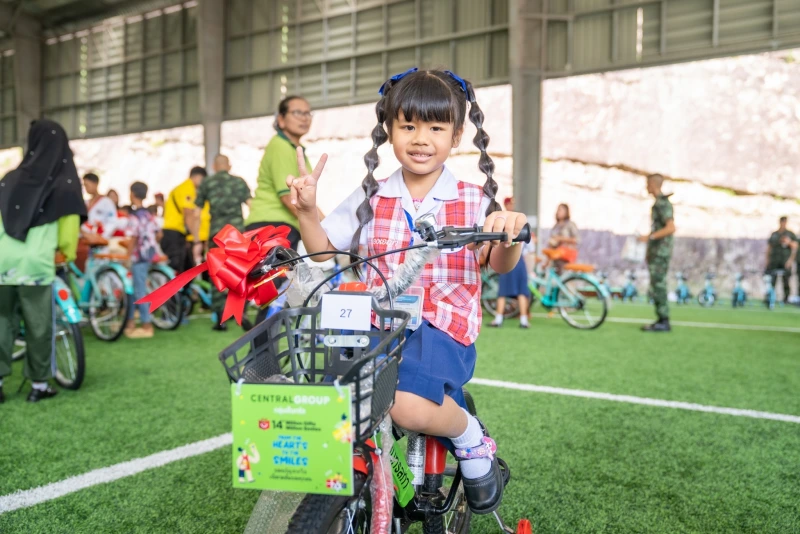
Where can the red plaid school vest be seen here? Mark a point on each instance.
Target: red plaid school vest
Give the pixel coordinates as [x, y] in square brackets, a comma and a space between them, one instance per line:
[452, 282]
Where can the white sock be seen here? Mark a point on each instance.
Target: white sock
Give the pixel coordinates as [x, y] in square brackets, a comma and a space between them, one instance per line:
[523, 320]
[472, 437]
[498, 318]
[41, 386]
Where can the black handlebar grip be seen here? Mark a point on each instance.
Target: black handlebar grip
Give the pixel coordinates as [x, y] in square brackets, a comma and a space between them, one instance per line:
[524, 235]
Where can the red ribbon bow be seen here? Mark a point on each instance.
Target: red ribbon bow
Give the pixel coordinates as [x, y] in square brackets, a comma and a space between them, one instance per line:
[228, 266]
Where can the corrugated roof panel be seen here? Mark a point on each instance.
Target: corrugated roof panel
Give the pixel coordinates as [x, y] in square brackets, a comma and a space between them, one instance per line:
[311, 41]
[134, 38]
[50, 63]
[97, 84]
[788, 16]
[340, 34]
[97, 119]
[626, 36]
[437, 17]
[152, 34]
[310, 8]
[260, 99]
[472, 14]
[311, 83]
[191, 104]
[500, 11]
[369, 75]
[115, 115]
[399, 61]
[557, 46]
[401, 23]
[584, 5]
[498, 67]
[651, 31]
[172, 107]
[235, 103]
[471, 58]
[369, 28]
[745, 20]
[592, 40]
[338, 82]
[263, 15]
[133, 76]
[689, 24]
[172, 69]
[190, 65]
[265, 50]
[238, 16]
[435, 56]
[133, 112]
[235, 62]
[114, 74]
[173, 29]
[152, 73]
[152, 110]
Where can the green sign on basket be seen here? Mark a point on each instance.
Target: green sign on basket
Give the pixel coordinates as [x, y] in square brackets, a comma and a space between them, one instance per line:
[290, 437]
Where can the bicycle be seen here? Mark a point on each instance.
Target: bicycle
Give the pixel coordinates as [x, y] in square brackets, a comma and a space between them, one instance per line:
[69, 358]
[682, 293]
[367, 362]
[629, 291]
[739, 297]
[170, 314]
[105, 293]
[707, 297]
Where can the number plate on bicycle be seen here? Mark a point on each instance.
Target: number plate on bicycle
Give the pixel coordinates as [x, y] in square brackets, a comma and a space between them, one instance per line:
[289, 437]
[343, 311]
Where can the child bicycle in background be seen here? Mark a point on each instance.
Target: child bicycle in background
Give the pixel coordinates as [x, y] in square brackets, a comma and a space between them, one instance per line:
[422, 114]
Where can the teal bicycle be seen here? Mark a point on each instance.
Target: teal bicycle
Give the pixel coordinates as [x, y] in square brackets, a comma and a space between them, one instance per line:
[105, 294]
[69, 358]
[579, 297]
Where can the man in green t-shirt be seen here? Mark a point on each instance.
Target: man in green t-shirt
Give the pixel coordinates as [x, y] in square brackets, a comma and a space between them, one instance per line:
[778, 253]
[271, 204]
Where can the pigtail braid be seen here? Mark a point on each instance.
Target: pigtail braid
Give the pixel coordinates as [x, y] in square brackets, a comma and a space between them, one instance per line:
[481, 140]
[370, 185]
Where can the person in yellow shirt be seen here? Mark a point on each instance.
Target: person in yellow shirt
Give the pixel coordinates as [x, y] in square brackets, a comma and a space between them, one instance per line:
[178, 216]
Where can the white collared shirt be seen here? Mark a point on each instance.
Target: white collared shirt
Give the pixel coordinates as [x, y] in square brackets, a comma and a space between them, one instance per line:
[341, 224]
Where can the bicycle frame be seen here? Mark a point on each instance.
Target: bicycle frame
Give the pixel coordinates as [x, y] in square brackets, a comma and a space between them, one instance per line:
[65, 301]
[90, 291]
[553, 286]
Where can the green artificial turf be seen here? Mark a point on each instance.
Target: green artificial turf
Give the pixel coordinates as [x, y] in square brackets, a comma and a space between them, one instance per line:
[578, 465]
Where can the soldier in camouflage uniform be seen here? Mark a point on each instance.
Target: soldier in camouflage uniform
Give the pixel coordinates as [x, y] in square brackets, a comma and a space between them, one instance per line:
[779, 255]
[225, 194]
[659, 252]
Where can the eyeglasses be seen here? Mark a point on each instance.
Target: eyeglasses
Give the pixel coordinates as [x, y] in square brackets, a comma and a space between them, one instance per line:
[296, 113]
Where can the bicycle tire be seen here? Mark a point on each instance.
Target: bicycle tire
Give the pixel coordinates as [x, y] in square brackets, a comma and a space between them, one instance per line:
[323, 514]
[125, 306]
[460, 516]
[592, 323]
[170, 314]
[79, 372]
[188, 306]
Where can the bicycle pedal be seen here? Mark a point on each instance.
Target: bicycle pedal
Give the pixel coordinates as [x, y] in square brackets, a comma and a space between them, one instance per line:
[505, 471]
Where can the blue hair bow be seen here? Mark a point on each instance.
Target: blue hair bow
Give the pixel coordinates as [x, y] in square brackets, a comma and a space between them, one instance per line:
[397, 78]
[459, 79]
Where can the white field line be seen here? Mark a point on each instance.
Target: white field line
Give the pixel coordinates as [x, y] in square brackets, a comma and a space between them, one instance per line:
[691, 324]
[34, 496]
[637, 400]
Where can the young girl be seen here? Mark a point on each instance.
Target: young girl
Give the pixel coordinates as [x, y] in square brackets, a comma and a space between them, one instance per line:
[422, 114]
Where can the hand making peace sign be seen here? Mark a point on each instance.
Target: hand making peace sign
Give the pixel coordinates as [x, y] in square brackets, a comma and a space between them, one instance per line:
[304, 189]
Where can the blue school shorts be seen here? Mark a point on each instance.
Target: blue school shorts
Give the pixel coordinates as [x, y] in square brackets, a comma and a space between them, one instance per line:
[435, 365]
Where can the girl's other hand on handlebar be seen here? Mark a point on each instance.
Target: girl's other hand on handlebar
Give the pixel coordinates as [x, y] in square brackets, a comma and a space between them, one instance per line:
[509, 222]
[303, 189]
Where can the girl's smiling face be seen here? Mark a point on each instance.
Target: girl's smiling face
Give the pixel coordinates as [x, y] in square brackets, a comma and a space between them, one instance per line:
[422, 147]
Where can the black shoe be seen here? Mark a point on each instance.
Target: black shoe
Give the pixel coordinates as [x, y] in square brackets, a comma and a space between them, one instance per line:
[36, 395]
[220, 327]
[526, 326]
[485, 494]
[247, 325]
[662, 325]
[2, 397]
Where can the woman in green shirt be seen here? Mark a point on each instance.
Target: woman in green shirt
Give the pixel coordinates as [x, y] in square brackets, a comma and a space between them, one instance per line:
[271, 204]
[41, 207]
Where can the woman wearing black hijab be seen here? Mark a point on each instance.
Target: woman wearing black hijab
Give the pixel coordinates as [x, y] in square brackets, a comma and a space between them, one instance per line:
[42, 207]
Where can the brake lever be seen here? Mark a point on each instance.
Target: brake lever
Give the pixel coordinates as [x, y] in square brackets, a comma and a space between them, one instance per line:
[285, 256]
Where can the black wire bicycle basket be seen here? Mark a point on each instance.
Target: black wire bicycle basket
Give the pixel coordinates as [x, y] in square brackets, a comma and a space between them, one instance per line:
[292, 347]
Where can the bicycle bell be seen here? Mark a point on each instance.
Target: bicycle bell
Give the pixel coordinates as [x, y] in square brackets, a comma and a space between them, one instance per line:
[425, 226]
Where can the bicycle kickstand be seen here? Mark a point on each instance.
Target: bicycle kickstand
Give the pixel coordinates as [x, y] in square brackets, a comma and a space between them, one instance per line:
[503, 526]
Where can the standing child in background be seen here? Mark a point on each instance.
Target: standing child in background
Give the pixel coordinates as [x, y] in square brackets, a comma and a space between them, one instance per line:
[514, 285]
[424, 114]
[143, 235]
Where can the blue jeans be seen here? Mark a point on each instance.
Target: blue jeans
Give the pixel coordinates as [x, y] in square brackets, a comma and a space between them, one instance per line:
[140, 271]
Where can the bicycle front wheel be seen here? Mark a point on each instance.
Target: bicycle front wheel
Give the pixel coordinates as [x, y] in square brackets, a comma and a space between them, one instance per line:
[170, 314]
[110, 306]
[70, 356]
[326, 514]
[581, 303]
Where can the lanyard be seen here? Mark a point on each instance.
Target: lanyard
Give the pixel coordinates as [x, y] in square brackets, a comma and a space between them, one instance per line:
[410, 223]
